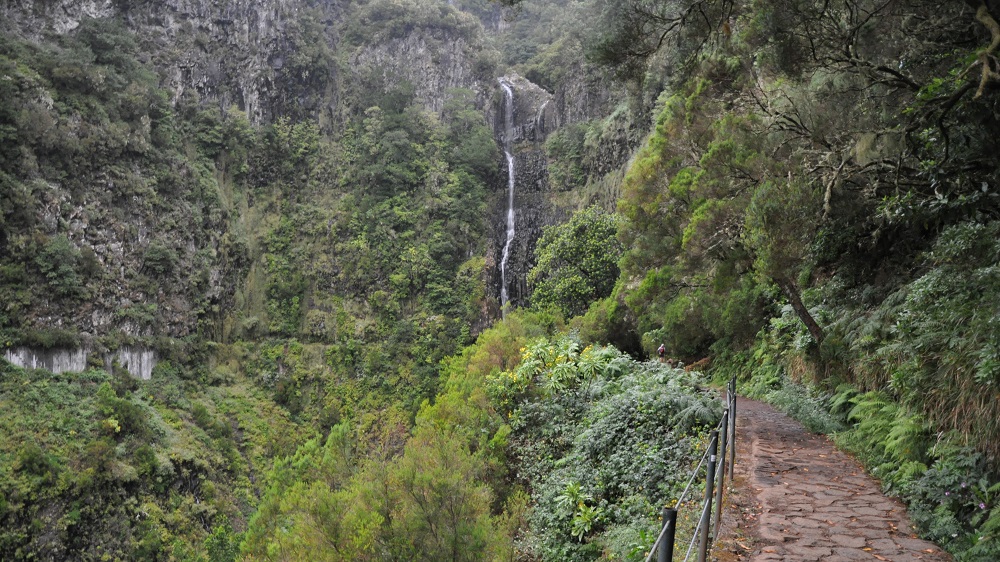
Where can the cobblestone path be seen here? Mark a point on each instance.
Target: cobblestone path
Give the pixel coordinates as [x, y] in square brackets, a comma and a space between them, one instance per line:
[813, 502]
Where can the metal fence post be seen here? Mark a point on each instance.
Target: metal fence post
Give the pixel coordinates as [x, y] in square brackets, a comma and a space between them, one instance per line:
[666, 550]
[732, 424]
[720, 486]
[706, 513]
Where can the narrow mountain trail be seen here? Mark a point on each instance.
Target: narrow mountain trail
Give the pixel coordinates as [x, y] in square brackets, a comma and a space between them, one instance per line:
[798, 498]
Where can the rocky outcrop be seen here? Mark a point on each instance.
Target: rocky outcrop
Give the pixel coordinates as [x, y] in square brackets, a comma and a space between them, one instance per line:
[534, 114]
[138, 361]
[36, 18]
[533, 119]
[233, 52]
[54, 360]
[426, 60]
[588, 93]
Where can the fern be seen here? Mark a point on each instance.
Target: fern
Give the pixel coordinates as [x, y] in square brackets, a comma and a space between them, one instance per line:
[696, 413]
[908, 437]
[872, 415]
[870, 407]
[990, 530]
[843, 399]
[908, 472]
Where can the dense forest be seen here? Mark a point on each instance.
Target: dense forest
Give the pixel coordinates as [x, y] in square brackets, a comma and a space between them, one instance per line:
[297, 209]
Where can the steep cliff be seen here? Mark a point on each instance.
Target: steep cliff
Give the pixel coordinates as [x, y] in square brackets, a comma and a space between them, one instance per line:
[530, 119]
[197, 85]
[109, 222]
[178, 175]
[443, 50]
[275, 215]
[257, 55]
[150, 235]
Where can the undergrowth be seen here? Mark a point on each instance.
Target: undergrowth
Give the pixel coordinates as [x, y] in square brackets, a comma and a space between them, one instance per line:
[950, 488]
[947, 485]
[602, 441]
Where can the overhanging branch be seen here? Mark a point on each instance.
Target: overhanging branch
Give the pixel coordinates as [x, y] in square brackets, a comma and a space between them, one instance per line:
[986, 57]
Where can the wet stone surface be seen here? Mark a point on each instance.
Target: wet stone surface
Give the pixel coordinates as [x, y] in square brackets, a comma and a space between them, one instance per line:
[813, 502]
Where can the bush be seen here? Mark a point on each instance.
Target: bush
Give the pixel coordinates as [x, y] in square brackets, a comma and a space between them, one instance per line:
[159, 258]
[600, 440]
[798, 402]
[577, 262]
[58, 261]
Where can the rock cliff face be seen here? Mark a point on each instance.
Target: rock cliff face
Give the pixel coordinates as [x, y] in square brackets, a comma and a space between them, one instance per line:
[592, 94]
[270, 58]
[138, 361]
[533, 118]
[37, 18]
[429, 62]
[162, 252]
[588, 94]
[234, 52]
[266, 57]
[54, 360]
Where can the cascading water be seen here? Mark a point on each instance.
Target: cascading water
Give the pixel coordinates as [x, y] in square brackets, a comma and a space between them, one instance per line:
[540, 122]
[508, 139]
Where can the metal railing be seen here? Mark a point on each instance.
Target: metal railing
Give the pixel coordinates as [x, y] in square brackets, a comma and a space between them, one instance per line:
[722, 441]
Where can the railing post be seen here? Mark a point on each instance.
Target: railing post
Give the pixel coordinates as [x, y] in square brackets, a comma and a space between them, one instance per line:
[706, 513]
[720, 486]
[732, 425]
[666, 550]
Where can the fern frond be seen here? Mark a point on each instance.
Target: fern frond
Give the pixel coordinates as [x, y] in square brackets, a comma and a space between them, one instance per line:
[697, 413]
[843, 398]
[907, 439]
[869, 405]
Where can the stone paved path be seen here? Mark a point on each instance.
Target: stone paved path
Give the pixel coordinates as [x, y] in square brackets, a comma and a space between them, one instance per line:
[813, 502]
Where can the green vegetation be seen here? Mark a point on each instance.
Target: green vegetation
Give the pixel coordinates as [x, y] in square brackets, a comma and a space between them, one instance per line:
[577, 262]
[807, 235]
[95, 465]
[602, 442]
[81, 112]
[815, 209]
[208, 228]
[592, 439]
[949, 485]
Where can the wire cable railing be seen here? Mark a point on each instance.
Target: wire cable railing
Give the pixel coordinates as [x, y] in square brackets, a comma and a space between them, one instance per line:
[721, 442]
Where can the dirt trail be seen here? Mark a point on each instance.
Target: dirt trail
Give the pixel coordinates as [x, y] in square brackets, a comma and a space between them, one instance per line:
[799, 498]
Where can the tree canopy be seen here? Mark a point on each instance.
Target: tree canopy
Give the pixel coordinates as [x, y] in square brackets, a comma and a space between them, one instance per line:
[577, 262]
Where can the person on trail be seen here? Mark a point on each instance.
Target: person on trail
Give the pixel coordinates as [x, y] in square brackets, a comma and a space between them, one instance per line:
[661, 351]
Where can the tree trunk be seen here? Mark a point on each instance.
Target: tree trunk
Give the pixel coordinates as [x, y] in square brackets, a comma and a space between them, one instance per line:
[791, 292]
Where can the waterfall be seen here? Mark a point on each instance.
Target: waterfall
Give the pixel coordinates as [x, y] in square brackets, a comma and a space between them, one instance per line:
[540, 121]
[508, 139]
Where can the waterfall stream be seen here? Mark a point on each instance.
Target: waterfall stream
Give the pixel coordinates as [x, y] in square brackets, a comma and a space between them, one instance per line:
[540, 122]
[508, 139]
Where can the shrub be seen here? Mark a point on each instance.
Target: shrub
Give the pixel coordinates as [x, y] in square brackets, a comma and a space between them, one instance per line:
[600, 440]
[159, 258]
[577, 262]
[58, 261]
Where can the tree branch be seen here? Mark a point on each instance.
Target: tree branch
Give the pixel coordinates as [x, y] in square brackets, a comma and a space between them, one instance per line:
[828, 195]
[986, 57]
